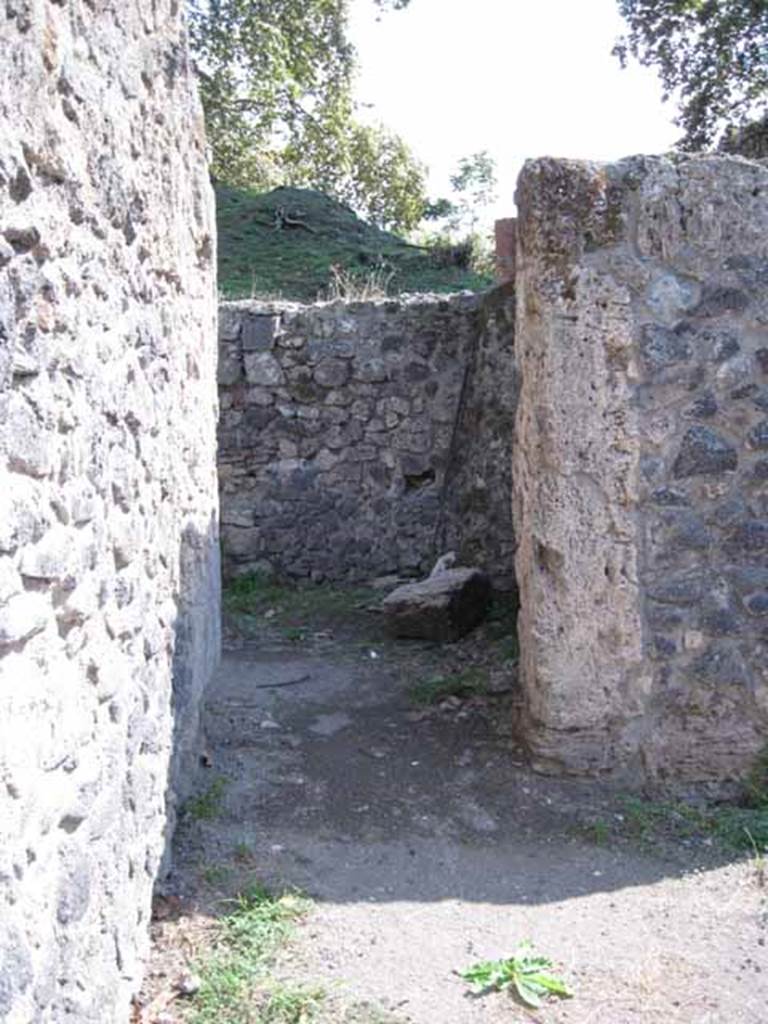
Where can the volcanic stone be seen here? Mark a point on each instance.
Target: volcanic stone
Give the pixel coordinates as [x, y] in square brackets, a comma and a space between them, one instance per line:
[443, 607]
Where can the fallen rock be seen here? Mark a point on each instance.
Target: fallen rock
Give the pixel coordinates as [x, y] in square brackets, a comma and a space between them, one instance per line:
[443, 607]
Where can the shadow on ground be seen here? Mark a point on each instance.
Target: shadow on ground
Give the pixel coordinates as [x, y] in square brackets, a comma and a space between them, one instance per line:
[427, 844]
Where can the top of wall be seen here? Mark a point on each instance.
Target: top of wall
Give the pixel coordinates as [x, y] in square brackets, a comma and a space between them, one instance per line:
[389, 303]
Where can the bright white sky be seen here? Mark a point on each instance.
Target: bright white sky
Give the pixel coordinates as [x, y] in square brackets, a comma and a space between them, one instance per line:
[520, 78]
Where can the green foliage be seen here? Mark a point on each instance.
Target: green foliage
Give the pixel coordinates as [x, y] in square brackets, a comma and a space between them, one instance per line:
[710, 54]
[756, 785]
[276, 84]
[730, 826]
[474, 183]
[468, 683]
[284, 1004]
[749, 140]
[207, 805]
[215, 874]
[529, 976]
[295, 611]
[474, 187]
[236, 987]
[256, 259]
[597, 832]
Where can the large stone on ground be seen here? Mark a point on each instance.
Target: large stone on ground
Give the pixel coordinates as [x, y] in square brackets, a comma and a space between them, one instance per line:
[443, 607]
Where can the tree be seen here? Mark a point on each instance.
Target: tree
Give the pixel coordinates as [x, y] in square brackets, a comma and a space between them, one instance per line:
[276, 84]
[475, 184]
[712, 54]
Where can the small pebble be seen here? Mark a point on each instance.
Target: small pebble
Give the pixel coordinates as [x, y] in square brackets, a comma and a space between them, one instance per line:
[188, 984]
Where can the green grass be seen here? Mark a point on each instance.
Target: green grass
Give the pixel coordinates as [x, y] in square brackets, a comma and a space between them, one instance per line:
[236, 987]
[255, 260]
[736, 826]
[295, 610]
[242, 853]
[730, 826]
[206, 805]
[215, 874]
[469, 683]
[597, 832]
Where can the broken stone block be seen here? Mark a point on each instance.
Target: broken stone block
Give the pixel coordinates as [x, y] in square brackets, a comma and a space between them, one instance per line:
[444, 607]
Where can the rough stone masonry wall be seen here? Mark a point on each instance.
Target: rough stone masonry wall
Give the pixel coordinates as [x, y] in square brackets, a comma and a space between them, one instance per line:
[476, 510]
[344, 428]
[108, 553]
[641, 465]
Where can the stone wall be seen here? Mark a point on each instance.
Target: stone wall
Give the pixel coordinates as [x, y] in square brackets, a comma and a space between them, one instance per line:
[476, 510]
[108, 535]
[641, 474]
[505, 238]
[343, 429]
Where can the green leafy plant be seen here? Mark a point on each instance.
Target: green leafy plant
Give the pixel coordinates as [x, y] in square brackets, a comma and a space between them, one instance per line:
[529, 976]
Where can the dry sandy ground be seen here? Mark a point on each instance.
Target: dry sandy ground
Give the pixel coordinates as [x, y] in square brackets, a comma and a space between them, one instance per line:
[427, 845]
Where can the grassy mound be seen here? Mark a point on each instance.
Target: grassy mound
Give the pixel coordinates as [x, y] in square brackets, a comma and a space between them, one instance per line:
[283, 244]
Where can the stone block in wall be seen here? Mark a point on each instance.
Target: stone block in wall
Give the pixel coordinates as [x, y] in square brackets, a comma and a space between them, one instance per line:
[262, 369]
[258, 332]
[639, 503]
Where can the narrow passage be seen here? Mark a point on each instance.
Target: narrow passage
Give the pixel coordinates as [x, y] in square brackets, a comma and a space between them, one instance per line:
[381, 779]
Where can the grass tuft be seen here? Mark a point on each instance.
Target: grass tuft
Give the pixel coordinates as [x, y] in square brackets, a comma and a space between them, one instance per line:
[236, 987]
[206, 805]
[470, 683]
[730, 826]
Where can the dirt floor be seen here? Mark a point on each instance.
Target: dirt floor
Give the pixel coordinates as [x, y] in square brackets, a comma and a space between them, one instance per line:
[426, 844]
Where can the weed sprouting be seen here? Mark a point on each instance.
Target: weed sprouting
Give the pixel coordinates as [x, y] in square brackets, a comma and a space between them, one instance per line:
[206, 805]
[597, 832]
[530, 977]
[242, 853]
[470, 683]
